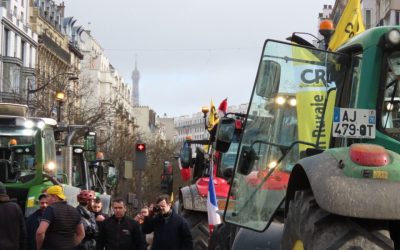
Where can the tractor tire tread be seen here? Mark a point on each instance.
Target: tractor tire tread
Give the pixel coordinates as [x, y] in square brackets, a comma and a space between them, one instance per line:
[319, 229]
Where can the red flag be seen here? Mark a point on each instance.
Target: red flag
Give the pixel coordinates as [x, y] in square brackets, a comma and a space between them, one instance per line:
[223, 106]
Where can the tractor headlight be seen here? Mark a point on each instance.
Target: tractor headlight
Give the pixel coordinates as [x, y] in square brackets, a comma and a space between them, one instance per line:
[29, 124]
[50, 167]
[40, 124]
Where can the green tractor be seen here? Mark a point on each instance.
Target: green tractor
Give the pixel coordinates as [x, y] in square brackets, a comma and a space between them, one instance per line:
[28, 156]
[345, 161]
[81, 167]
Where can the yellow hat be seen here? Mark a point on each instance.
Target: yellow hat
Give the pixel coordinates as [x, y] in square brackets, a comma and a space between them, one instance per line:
[56, 190]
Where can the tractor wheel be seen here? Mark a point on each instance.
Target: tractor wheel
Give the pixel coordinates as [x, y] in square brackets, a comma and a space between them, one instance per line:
[198, 224]
[307, 226]
[222, 237]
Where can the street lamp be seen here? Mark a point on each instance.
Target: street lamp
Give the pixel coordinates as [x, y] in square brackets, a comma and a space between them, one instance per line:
[60, 96]
[32, 91]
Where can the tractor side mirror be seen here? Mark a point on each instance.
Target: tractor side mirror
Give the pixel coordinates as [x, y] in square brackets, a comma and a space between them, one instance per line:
[186, 156]
[111, 175]
[225, 132]
[247, 159]
[268, 78]
[90, 141]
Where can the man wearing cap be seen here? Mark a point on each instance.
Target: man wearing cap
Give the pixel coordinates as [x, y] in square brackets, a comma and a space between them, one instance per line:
[33, 221]
[12, 229]
[61, 226]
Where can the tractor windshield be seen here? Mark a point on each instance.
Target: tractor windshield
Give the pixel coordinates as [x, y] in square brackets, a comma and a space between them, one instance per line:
[391, 102]
[17, 161]
[292, 99]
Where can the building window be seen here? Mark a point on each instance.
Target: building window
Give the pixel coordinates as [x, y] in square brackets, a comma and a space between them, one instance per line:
[23, 53]
[22, 3]
[22, 16]
[397, 18]
[16, 45]
[6, 41]
[367, 19]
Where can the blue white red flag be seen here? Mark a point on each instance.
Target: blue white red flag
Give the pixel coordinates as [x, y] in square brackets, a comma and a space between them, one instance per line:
[212, 207]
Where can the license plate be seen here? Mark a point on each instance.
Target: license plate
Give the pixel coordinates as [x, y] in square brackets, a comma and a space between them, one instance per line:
[354, 123]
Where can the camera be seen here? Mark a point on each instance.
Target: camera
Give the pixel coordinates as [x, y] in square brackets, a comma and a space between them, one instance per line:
[156, 209]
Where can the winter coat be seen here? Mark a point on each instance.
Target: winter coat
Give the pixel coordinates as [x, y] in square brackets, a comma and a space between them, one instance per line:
[12, 229]
[91, 229]
[32, 224]
[120, 234]
[170, 233]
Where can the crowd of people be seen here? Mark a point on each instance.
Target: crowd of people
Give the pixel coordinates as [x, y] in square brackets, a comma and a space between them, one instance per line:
[58, 225]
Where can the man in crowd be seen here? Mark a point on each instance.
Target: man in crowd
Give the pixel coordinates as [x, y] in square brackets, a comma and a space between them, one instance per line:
[85, 198]
[171, 231]
[12, 229]
[33, 221]
[61, 227]
[119, 232]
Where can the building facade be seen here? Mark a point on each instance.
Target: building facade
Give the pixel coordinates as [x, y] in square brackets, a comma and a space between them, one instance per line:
[374, 12]
[107, 97]
[18, 51]
[58, 61]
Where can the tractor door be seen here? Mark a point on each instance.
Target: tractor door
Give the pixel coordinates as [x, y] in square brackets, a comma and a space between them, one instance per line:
[291, 110]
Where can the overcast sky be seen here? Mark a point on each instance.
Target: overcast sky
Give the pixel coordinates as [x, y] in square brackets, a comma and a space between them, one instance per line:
[189, 52]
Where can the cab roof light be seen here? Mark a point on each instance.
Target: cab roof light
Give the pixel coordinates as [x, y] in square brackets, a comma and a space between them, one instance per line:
[293, 102]
[280, 100]
[392, 37]
[370, 155]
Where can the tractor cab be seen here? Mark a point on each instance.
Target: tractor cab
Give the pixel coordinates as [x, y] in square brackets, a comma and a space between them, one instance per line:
[294, 86]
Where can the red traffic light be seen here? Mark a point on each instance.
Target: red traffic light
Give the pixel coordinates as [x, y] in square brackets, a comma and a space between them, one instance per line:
[140, 147]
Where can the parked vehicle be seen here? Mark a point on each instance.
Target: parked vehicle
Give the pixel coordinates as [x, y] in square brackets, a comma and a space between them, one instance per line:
[342, 190]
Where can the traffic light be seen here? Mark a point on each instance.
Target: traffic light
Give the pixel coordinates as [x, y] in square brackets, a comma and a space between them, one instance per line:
[140, 156]
[140, 147]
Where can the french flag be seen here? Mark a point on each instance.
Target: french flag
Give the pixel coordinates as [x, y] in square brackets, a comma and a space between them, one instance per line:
[213, 217]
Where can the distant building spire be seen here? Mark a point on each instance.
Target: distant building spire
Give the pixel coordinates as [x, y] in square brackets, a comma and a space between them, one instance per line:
[135, 84]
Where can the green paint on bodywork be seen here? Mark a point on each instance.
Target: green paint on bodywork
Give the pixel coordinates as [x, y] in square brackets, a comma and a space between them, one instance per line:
[354, 170]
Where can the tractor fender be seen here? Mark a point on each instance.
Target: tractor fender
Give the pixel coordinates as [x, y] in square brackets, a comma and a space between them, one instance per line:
[343, 195]
[192, 200]
[249, 239]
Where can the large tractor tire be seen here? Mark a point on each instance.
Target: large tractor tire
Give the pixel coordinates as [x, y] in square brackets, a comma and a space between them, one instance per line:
[222, 237]
[307, 226]
[198, 224]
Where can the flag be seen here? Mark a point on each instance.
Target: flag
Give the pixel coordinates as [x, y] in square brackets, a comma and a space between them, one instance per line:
[212, 117]
[212, 207]
[223, 107]
[350, 24]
